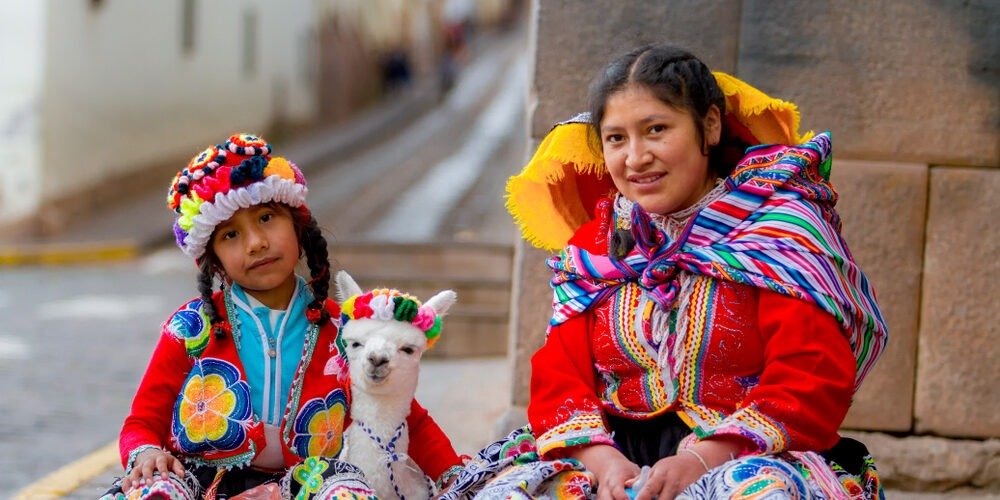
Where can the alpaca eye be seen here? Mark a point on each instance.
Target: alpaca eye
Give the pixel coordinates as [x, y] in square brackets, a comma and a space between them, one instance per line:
[355, 345]
[408, 350]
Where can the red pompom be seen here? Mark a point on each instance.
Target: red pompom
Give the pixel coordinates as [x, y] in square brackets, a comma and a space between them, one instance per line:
[314, 315]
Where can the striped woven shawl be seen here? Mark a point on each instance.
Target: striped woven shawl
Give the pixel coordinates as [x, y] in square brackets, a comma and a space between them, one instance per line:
[775, 228]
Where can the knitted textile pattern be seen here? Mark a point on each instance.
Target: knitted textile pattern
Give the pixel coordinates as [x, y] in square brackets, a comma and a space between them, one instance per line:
[555, 193]
[224, 178]
[388, 303]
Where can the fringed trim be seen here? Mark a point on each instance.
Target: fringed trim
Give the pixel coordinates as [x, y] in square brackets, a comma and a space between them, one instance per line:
[234, 462]
[767, 118]
[534, 197]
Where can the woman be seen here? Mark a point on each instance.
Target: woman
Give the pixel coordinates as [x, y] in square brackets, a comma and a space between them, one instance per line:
[709, 322]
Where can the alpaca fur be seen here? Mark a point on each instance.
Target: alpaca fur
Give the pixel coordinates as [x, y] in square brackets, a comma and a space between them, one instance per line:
[383, 357]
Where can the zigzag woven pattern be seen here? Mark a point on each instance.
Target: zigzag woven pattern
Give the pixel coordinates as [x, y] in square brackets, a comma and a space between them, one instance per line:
[776, 229]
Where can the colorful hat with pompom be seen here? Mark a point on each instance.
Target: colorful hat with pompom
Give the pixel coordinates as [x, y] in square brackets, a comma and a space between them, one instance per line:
[224, 178]
[388, 303]
[557, 190]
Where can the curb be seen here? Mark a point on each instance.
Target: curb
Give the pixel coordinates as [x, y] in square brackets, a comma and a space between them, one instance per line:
[71, 476]
[67, 253]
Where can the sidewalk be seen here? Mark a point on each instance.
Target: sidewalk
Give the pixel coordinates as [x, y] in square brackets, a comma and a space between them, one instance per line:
[139, 224]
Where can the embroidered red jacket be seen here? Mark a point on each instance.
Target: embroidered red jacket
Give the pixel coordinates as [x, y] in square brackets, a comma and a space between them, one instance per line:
[772, 370]
[191, 372]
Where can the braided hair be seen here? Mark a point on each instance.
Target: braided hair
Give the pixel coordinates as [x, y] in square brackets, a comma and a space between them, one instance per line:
[312, 245]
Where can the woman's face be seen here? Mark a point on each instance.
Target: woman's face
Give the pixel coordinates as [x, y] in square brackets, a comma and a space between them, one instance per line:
[653, 152]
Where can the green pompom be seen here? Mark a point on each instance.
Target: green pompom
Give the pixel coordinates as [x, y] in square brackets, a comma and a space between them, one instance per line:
[405, 309]
[435, 330]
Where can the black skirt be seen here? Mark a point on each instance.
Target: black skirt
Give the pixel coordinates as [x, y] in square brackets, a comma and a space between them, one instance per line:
[644, 442]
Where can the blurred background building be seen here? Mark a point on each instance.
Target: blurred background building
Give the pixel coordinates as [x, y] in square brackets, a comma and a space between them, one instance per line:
[94, 93]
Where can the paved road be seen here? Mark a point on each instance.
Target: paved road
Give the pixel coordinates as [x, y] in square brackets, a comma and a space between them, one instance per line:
[75, 340]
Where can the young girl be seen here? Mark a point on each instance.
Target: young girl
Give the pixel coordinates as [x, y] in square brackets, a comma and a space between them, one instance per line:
[246, 385]
[710, 326]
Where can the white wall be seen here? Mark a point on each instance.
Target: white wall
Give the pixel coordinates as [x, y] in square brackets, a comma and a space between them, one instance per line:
[21, 50]
[120, 93]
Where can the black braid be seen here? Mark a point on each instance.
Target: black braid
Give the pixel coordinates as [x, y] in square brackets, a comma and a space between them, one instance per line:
[206, 278]
[318, 259]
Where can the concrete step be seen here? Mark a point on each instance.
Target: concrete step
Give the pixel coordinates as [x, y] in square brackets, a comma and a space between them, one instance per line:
[484, 261]
[487, 296]
[465, 336]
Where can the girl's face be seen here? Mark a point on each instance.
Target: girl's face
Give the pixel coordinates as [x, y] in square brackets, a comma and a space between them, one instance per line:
[653, 152]
[258, 249]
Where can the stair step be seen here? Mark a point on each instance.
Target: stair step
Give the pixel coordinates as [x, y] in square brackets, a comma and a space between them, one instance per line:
[454, 259]
[470, 337]
[494, 296]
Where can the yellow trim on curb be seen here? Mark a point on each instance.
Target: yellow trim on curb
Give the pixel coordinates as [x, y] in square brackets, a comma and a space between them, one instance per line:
[64, 254]
[71, 476]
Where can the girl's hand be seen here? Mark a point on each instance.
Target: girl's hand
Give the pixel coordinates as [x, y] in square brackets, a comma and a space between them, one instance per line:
[610, 467]
[672, 475]
[148, 462]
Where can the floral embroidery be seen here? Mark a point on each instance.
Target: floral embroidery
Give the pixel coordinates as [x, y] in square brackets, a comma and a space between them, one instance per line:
[310, 475]
[319, 426]
[572, 484]
[214, 409]
[192, 325]
[521, 449]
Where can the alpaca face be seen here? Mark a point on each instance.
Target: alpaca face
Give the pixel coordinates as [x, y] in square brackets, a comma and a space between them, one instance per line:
[383, 356]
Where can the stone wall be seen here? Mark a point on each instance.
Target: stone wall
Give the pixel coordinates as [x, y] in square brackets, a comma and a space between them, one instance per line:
[911, 93]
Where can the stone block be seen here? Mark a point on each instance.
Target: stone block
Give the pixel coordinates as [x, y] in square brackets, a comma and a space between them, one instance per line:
[883, 207]
[958, 387]
[531, 309]
[893, 80]
[933, 464]
[574, 40]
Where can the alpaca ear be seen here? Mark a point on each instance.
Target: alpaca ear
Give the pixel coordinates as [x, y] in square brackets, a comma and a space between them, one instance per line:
[441, 302]
[346, 286]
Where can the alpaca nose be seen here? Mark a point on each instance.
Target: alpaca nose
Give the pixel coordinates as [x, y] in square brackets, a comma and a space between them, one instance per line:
[377, 361]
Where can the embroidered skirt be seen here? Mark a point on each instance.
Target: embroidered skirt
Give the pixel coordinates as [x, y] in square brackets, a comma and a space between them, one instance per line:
[314, 478]
[510, 468]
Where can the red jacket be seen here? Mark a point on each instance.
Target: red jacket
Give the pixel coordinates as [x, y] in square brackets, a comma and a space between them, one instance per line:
[772, 370]
[154, 420]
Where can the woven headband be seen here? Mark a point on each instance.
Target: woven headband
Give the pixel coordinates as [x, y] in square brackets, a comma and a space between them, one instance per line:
[390, 304]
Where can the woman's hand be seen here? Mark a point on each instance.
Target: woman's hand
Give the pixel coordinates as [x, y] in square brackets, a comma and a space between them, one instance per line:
[148, 462]
[610, 467]
[672, 475]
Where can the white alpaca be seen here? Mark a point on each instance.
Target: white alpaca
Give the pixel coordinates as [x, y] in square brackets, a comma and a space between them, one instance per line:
[383, 356]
